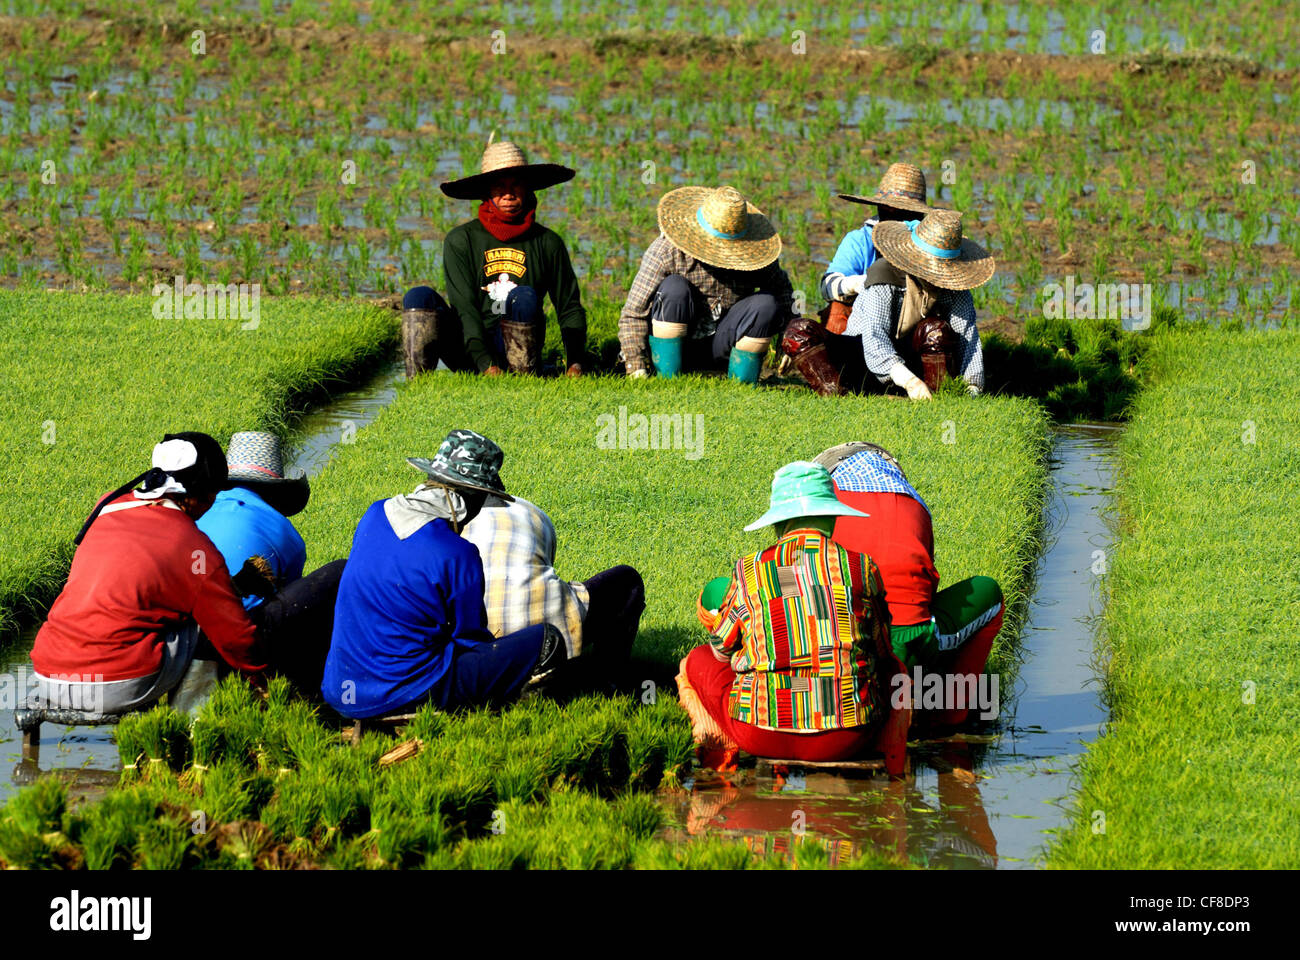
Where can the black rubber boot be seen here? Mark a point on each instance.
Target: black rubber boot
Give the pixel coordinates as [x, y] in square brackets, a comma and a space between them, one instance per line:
[523, 346]
[420, 340]
[553, 665]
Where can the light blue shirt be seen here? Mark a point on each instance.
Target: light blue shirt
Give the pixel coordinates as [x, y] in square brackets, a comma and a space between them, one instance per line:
[241, 525]
[856, 253]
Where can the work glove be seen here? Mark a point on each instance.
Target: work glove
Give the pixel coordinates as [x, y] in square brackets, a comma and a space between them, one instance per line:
[852, 286]
[914, 385]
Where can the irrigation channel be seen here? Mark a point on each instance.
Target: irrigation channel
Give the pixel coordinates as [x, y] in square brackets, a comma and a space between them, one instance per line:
[981, 799]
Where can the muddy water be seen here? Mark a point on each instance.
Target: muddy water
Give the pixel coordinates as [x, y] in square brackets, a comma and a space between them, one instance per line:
[87, 755]
[986, 798]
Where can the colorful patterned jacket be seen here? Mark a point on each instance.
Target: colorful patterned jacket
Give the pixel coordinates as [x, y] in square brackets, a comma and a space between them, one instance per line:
[805, 627]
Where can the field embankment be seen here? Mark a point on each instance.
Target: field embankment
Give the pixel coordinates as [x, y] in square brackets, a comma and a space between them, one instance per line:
[1197, 769]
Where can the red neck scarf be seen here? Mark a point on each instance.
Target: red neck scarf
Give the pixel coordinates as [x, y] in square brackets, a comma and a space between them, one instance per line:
[507, 228]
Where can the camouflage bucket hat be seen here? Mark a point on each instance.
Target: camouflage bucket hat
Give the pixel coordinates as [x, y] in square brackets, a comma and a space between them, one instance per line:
[467, 460]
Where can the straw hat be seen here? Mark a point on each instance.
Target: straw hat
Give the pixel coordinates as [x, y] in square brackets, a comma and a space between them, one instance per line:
[254, 460]
[466, 460]
[933, 249]
[832, 457]
[504, 157]
[718, 227]
[803, 489]
[902, 187]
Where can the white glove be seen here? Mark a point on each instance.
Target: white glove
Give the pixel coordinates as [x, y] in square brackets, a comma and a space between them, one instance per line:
[974, 390]
[852, 286]
[914, 385]
[640, 374]
[500, 288]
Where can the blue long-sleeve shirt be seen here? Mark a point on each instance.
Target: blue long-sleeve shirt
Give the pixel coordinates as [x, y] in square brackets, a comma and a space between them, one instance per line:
[241, 525]
[855, 254]
[402, 607]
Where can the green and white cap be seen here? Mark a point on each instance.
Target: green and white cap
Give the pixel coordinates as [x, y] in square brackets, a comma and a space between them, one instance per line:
[803, 489]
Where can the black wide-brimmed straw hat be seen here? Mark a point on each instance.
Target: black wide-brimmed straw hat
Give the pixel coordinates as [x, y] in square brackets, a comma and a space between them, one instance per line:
[902, 187]
[719, 227]
[467, 460]
[934, 250]
[254, 460]
[501, 159]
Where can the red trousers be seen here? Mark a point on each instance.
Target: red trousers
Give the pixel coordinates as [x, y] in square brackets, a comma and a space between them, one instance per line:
[712, 678]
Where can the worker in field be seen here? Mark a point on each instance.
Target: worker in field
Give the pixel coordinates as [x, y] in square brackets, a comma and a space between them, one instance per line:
[147, 593]
[710, 293]
[410, 625]
[913, 325]
[249, 523]
[798, 665]
[900, 196]
[598, 617]
[498, 268]
[949, 631]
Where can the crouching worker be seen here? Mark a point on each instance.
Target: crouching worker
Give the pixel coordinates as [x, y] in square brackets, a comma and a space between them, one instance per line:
[410, 624]
[498, 267]
[799, 666]
[710, 293]
[147, 591]
[249, 523]
[950, 631]
[913, 325]
[598, 618]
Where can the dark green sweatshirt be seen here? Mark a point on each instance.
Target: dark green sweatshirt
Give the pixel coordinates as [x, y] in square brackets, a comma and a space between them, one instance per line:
[472, 258]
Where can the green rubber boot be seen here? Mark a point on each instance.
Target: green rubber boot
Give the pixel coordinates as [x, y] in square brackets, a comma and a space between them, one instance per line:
[666, 354]
[744, 365]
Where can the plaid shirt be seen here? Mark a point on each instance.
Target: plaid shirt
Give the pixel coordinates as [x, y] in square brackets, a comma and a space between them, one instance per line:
[517, 543]
[720, 287]
[805, 627]
[869, 472]
[875, 315]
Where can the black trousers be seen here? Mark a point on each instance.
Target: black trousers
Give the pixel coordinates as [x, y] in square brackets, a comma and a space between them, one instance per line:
[297, 623]
[613, 616]
[678, 301]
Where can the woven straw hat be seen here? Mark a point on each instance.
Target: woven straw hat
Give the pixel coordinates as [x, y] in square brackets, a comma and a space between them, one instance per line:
[504, 157]
[832, 457]
[934, 250]
[254, 459]
[718, 227]
[902, 187]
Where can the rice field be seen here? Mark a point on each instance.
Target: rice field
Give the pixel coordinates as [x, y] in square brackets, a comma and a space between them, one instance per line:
[89, 384]
[1096, 142]
[1196, 771]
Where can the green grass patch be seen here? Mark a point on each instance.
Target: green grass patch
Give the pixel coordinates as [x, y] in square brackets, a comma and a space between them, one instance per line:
[1197, 770]
[89, 383]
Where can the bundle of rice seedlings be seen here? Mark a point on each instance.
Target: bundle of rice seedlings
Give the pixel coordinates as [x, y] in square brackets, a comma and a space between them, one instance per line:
[403, 841]
[638, 815]
[295, 809]
[31, 827]
[521, 778]
[429, 723]
[228, 794]
[164, 844]
[206, 740]
[274, 754]
[107, 831]
[345, 809]
[154, 743]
